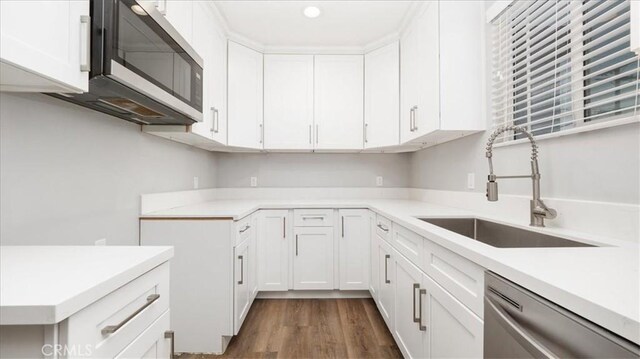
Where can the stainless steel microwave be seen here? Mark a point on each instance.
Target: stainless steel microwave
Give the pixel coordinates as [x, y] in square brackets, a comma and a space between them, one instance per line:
[142, 69]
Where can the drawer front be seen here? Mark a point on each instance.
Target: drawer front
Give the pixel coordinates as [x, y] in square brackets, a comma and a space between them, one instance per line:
[461, 277]
[383, 228]
[408, 243]
[243, 229]
[313, 217]
[113, 322]
[152, 343]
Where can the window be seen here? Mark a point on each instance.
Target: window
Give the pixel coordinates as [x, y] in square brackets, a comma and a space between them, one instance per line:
[560, 65]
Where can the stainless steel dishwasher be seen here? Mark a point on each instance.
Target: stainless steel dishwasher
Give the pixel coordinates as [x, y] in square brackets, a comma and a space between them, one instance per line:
[521, 324]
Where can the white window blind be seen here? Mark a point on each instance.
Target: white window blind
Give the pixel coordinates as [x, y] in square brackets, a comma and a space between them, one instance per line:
[558, 65]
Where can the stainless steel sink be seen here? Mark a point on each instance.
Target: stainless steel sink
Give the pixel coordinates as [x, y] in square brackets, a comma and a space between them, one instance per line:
[500, 235]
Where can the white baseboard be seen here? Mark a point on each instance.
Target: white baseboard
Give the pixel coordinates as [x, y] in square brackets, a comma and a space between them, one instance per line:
[315, 294]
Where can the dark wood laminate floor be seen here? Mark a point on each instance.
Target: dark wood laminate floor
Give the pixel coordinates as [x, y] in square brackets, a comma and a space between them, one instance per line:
[311, 328]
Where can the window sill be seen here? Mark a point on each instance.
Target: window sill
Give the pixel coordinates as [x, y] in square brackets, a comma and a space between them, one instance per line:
[593, 127]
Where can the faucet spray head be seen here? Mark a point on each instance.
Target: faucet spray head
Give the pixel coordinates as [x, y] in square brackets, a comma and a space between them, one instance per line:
[492, 190]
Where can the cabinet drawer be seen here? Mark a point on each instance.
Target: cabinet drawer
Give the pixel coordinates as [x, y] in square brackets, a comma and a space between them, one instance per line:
[383, 227]
[408, 243]
[313, 217]
[113, 322]
[242, 229]
[461, 277]
[152, 343]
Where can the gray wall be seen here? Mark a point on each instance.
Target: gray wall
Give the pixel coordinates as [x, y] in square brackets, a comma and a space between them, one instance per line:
[71, 176]
[601, 165]
[313, 170]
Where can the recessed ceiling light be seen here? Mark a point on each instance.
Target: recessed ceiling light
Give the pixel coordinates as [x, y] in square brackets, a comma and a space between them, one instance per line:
[311, 12]
[138, 10]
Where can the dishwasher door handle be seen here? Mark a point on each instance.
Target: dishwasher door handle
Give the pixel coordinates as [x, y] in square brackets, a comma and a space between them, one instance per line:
[532, 345]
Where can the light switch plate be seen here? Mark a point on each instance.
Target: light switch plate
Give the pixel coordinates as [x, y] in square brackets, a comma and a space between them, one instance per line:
[254, 181]
[471, 180]
[379, 181]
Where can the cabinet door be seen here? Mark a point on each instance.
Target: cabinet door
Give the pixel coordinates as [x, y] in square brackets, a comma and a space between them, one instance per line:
[313, 258]
[288, 102]
[386, 296]
[203, 44]
[339, 102]
[454, 331]
[382, 96]
[374, 273]
[151, 343]
[273, 247]
[409, 44]
[181, 15]
[253, 258]
[212, 47]
[244, 111]
[409, 329]
[240, 284]
[427, 113]
[354, 249]
[43, 44]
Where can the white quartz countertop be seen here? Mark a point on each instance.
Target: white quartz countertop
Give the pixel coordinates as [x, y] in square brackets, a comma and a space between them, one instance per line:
[601, 284]
[47, 284]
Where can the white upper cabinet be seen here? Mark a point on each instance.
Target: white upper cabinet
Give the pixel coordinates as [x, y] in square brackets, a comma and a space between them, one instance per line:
[442, 73]
[181, 15]
[288, 102]
[44, 46]
[382, 97]
[244, 112]
[339, 99]
[211, 45]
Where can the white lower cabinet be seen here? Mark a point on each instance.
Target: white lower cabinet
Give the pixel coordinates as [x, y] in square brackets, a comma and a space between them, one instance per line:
[410, 327]
[354, 249]
[453, 330]
[386, 294]
[374, 253]
[273, 250]
[313, 265]
[241, 293]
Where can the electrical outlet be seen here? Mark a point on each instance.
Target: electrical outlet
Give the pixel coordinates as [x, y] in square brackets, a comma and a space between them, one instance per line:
[379, 181]
[471, 180]
[196, 182]
[254, 181]
[101, 242]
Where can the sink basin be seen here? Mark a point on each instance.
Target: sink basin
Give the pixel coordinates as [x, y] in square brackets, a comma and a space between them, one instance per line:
[500, 235]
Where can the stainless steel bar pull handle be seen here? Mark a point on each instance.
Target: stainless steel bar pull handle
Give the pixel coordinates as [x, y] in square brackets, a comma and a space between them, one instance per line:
[342, 226]
[415, 118]
[110, 329]
[314, 217]
[216, 120]
[284, 227]
[85, 43]
[413, 294]
[366, 127]
[245, 228]
[423, 328]
[310, 134]
[296, 244]
[383, 227]
[241, 258]
[411, 119]
[261, 133]
[317, 134]
[386, 267]
[170, 334]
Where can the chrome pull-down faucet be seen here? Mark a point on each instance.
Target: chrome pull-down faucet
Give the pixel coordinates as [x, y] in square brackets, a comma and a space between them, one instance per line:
[538, 210]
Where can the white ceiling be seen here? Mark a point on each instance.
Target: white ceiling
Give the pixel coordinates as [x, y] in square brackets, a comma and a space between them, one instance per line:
[341, 24]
